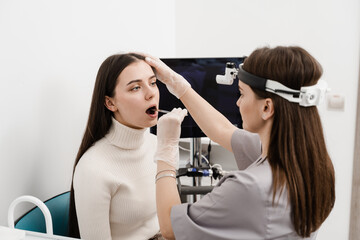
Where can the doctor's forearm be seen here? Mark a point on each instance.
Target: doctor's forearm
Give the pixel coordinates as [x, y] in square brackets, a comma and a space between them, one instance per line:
[215, 125]
[167, 196]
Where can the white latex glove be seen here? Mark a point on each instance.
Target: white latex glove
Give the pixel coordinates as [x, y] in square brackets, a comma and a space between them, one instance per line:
[175, 83]
[168, 134]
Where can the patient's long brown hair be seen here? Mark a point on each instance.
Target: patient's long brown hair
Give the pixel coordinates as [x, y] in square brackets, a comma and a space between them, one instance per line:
[99, 120]
[297, 152]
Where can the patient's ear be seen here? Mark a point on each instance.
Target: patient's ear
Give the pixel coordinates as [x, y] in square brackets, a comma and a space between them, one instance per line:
[110, 104]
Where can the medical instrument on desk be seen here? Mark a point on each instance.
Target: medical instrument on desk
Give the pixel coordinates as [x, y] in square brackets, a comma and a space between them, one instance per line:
[214, 171]
[194, 172]
[306, 96]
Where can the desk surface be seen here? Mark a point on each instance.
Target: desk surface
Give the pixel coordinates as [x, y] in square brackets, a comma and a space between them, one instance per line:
[17, 234]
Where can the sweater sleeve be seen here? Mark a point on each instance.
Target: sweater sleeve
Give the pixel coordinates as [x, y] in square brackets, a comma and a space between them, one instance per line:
[92, 200]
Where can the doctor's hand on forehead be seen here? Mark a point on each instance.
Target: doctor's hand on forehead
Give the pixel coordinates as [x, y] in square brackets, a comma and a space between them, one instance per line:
[168, 134]
[175, 83]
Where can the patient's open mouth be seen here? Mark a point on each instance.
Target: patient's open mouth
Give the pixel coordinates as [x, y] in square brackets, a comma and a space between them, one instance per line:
[151, 110]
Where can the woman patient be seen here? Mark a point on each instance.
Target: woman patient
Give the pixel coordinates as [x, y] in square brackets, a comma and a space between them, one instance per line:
[113, 190]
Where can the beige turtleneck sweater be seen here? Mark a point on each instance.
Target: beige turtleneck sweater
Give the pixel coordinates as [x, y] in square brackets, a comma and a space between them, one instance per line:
[114, 186]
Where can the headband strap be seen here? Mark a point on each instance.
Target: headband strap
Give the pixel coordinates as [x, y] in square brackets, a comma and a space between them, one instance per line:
[306, 96]
[251, 80]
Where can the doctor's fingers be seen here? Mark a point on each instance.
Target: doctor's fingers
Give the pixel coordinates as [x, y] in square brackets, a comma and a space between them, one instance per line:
[180, 113]
[176, 116]
[151, 60]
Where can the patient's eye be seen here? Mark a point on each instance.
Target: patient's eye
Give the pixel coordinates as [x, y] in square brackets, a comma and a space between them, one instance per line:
[136, 88]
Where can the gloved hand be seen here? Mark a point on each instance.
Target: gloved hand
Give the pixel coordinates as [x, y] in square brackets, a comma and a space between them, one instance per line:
[175, 83]
[168, 134]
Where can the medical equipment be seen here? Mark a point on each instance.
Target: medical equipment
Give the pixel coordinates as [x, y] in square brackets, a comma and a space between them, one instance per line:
[194, 172]
[214, 171]
[230, 75]
[307, 95]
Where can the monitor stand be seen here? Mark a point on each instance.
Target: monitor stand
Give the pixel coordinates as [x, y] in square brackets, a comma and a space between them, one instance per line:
[195, 160]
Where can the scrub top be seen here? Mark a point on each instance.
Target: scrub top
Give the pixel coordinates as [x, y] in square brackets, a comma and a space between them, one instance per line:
[241, 205]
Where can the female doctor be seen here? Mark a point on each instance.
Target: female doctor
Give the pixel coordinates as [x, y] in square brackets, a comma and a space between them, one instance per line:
[284, 188]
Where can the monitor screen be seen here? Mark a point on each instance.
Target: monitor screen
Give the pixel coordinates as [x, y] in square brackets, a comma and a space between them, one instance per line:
[201, 74]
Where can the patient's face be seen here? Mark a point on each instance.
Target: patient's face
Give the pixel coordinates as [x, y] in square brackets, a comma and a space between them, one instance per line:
[136, 96]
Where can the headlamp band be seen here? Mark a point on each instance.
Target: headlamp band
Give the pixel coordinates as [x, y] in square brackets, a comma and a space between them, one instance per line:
[251, 80]
[306, 96]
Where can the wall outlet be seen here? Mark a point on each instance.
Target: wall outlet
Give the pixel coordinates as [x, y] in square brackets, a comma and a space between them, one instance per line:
[336, 102]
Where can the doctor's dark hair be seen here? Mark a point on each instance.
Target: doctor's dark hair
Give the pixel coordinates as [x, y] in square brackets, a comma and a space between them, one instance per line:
[100, 118]
[297, 151]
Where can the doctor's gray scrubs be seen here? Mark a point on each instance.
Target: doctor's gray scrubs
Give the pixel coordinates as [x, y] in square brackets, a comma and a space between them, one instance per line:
[240, 205]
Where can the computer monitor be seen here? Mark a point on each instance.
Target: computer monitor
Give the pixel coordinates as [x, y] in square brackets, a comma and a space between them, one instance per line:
[201, 74]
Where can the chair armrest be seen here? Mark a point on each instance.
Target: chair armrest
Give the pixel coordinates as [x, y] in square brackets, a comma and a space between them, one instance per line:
[38, 203]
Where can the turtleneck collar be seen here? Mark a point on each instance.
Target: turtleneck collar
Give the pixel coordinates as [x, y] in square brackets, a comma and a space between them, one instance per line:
[125, 137]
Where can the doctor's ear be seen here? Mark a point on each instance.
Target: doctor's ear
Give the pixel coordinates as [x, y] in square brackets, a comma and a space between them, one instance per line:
[268, 109]
[109, 104]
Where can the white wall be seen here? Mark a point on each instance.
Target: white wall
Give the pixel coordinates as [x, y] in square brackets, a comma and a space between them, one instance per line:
[329, 30]
[50, 52]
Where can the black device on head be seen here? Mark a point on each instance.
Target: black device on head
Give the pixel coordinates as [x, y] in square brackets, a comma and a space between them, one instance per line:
[251, 80]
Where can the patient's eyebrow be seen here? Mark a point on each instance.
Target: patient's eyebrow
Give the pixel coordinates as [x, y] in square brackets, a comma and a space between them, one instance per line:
[134, 81]
[139, 80]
